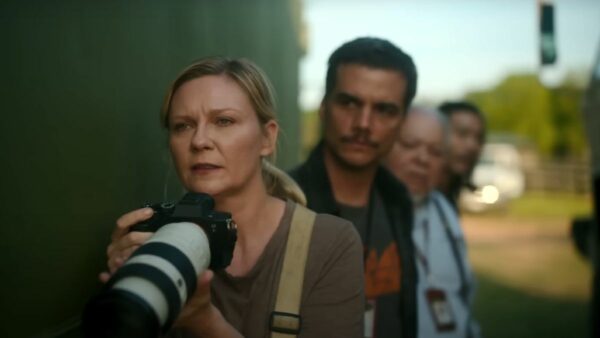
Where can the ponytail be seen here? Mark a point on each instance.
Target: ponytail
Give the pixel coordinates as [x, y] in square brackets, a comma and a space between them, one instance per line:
[280, 184]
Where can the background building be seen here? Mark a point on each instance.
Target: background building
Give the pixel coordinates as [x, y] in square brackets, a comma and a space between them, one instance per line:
[81, 87]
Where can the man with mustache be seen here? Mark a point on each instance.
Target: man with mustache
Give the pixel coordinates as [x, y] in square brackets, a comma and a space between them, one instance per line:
[370, 84]
[466, 139]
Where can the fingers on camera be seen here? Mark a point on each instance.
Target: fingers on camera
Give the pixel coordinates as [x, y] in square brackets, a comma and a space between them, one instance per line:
[134, 217]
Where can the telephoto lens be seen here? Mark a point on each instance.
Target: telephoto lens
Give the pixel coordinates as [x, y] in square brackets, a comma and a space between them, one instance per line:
[145, 296]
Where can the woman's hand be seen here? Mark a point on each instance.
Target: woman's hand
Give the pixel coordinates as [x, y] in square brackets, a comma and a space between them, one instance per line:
[200, 317]
[198, 306]
[124, 243]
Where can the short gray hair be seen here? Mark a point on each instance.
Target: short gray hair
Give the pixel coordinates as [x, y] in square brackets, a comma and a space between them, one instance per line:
[439, 116]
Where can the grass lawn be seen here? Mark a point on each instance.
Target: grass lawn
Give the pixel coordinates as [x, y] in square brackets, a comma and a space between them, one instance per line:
[504, 311]
[540, 204]
[532, 282]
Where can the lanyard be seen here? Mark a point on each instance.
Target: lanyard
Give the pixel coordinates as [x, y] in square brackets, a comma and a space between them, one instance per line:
[455, 252]
[421, 253]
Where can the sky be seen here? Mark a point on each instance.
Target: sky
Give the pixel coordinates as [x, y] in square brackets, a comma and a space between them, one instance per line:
[458, 45]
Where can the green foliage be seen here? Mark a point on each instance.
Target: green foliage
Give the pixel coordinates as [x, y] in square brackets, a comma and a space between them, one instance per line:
[505, 311]
[550, 117]
[566, 113]
[528, 270]
[545, 205]
[311, 131]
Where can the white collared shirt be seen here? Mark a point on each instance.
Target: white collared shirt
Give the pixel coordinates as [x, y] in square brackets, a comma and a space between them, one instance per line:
[440, 269]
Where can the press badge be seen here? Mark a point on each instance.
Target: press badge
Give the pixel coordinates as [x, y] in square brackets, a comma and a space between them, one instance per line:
[369, 318]
[440, 310]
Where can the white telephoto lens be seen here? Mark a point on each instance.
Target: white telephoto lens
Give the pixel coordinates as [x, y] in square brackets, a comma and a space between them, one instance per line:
[190, 241]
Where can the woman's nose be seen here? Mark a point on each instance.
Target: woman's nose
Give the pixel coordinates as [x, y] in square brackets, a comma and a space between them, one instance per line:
[201, 139]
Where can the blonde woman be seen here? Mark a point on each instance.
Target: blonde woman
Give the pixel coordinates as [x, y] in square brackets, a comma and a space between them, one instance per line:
[220, 118]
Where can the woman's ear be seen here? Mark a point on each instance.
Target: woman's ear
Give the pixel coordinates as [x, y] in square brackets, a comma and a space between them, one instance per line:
[270, 131]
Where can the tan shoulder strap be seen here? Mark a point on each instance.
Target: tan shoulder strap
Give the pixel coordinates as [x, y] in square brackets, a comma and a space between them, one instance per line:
[285, 319]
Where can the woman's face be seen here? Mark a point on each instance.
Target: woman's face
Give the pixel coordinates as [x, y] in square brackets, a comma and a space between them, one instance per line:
[215, 137]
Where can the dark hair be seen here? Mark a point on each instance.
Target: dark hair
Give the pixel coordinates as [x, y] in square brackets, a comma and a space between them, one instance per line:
[448, 108]
[375, 53]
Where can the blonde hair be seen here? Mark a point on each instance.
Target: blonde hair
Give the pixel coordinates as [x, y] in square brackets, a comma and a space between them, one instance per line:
[256, 85]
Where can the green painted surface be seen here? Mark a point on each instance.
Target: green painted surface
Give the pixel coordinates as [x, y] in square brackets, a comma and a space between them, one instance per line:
[81, 87]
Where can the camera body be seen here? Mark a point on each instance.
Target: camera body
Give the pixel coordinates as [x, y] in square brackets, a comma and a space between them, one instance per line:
[145, 295]
[197, 208]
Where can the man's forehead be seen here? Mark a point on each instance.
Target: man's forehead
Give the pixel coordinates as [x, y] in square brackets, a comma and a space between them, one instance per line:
[366, 71]
[365, 82]
[466, 117]
[424, 124]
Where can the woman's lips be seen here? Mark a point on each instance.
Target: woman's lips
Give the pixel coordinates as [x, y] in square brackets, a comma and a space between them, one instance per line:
[205, 168]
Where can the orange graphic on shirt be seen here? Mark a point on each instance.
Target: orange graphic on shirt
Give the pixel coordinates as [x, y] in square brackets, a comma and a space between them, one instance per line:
[382, 276]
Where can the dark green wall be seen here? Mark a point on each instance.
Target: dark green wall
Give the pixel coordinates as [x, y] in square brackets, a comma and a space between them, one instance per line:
[81, 86]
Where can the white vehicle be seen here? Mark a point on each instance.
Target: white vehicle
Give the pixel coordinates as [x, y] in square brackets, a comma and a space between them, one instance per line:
[498, 178]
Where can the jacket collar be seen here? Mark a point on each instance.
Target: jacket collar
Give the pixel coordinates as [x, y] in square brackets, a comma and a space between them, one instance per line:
[320, 192]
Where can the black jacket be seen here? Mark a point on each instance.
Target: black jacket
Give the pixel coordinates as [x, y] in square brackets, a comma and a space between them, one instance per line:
[314, 181]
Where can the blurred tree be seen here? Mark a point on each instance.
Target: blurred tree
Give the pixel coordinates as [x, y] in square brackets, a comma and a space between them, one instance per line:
[566, 108]
[550, 117]
[311, 131]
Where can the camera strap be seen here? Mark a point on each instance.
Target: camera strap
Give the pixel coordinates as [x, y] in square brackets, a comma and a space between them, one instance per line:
[285, 319]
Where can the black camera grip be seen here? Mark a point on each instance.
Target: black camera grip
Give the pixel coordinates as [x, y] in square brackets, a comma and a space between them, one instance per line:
[142, 227]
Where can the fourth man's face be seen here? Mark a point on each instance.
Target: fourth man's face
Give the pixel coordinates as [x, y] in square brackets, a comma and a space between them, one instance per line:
[362, 114]
[466, 141]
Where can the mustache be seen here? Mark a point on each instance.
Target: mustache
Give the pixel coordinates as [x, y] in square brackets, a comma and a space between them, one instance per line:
[359, 139]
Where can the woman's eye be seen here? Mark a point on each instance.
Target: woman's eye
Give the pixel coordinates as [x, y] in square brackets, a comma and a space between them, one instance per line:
[180, 126]
[224, 121]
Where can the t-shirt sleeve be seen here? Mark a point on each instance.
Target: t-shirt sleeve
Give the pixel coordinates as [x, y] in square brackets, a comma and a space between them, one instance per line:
[333, 298]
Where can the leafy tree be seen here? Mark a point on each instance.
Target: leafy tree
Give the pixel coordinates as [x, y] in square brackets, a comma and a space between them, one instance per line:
[550, 117]
[566, 113]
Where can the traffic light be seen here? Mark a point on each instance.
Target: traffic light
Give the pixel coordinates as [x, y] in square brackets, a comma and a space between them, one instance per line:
[547, 38]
